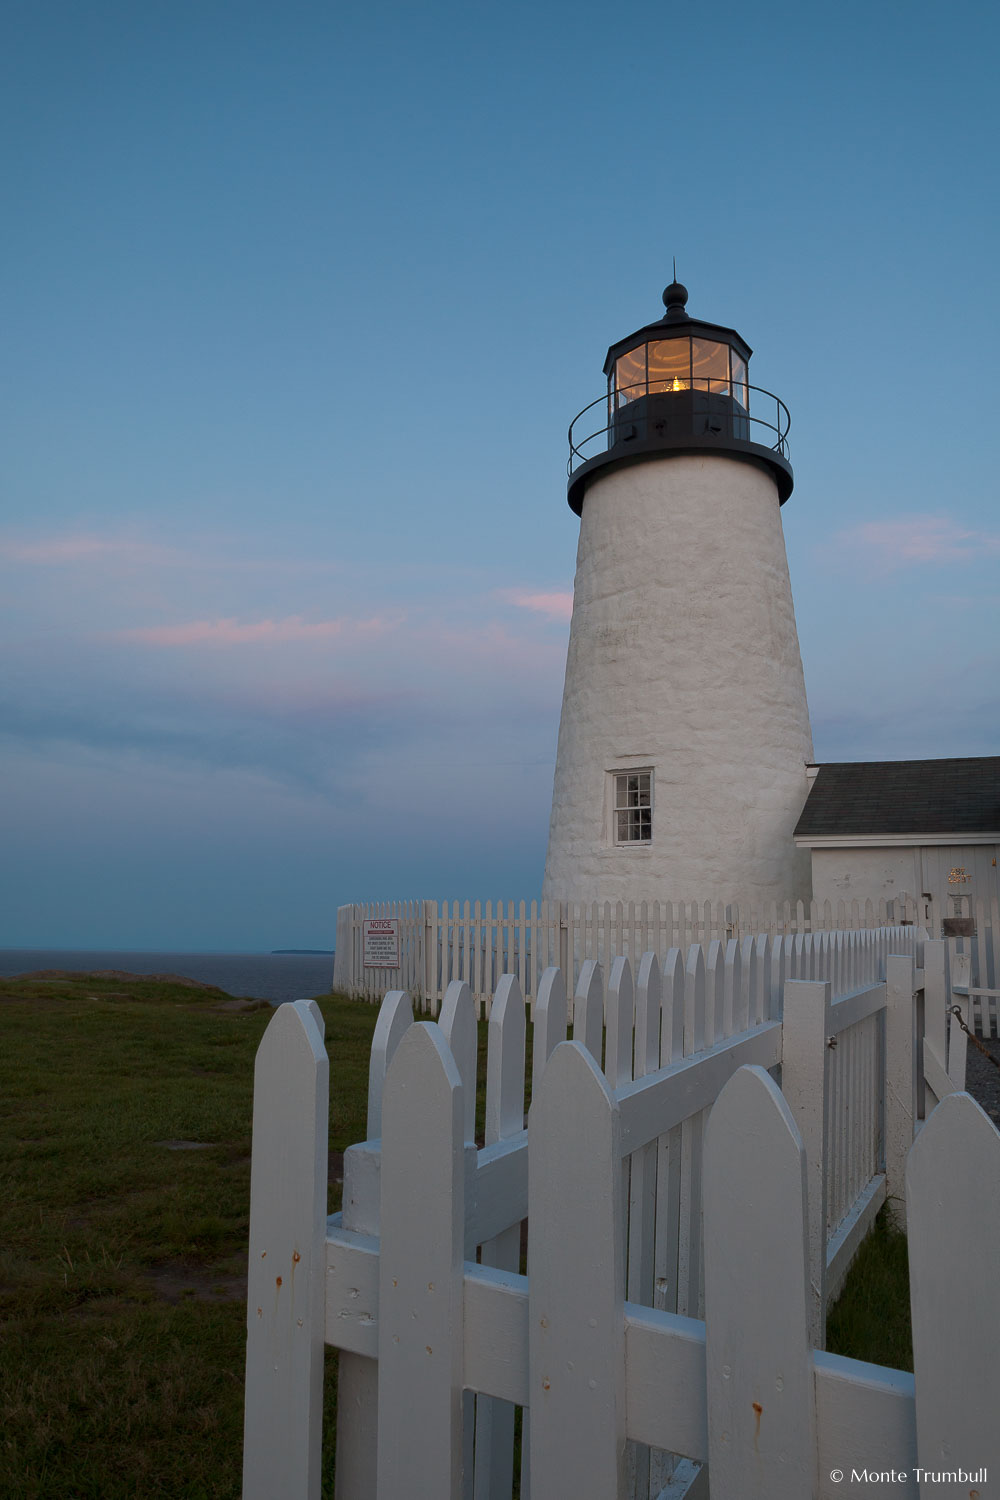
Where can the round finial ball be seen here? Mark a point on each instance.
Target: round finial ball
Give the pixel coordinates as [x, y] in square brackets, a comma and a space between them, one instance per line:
[675, 295]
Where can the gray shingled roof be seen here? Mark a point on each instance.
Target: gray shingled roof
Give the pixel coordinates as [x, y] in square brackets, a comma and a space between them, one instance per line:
[903, 796]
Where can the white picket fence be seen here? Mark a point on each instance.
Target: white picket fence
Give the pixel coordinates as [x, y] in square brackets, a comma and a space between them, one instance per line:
[670, 1325]
[981, 970]
[479, 941]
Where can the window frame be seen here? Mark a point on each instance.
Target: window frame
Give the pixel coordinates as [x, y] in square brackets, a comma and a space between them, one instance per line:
[623, 774]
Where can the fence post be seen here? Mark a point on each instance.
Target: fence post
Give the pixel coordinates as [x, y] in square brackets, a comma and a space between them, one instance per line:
[566, 957]
[421, 1261]
[343, 958]
[936, 1012]
[576, 1340]
[283, 1427]
[803, 1083]
[431, 958]
[901, 1077]
[761, 1398]
[961, 965]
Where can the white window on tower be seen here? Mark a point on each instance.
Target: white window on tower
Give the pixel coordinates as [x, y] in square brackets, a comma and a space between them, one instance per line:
[633, 809]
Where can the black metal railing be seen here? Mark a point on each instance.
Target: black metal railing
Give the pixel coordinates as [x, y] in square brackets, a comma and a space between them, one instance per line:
[742, 414]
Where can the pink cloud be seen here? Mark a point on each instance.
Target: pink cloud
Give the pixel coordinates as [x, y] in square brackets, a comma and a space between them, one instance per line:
[554, 604]
[231, 632]
[918, 539]
[82, 547]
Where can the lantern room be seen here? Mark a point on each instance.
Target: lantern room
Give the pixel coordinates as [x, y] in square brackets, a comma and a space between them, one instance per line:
[679, 385]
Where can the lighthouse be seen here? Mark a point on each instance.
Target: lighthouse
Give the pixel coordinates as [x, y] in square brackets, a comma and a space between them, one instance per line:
[684, 736]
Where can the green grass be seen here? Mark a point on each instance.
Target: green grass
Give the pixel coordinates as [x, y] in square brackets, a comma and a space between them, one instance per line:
[871, 1318]
[123, 1258]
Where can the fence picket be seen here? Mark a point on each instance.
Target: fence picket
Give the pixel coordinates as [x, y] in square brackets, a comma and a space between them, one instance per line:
[550, 1021]
[952, 1205]
[805, 1083]
[757, 1352]
[642, 1184]
[420, 1282]
[692, 1129]
[668, 1176]
[619, 1023]
[588, 1009]
[283, 1431]
[395, 1015]
[458, 1024]
[357, 1376]
[494, 1460]
[576, 1364]
[458, 1027]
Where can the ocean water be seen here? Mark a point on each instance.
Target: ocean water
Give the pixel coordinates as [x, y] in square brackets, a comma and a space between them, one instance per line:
[261, 976]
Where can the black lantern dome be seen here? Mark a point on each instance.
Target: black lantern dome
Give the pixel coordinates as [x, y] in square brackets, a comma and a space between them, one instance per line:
[678, 385]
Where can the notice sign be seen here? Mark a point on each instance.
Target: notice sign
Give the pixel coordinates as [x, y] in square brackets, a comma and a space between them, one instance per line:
[381, 942]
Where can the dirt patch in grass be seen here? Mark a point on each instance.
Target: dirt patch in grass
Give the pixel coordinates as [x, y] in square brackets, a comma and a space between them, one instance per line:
[177, 1283]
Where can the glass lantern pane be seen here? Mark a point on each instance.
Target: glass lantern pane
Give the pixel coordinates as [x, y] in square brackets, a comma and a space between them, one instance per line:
[710, 365]
[670, 365]
[741, 391]
[630, 375]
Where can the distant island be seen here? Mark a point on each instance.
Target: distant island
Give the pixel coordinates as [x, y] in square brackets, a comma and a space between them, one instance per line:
[303, 950]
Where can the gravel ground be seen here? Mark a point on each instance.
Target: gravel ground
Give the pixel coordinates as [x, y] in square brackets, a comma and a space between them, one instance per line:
[982, 1079]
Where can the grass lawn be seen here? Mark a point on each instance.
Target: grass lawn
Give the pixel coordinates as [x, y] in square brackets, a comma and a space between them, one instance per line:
[125, 1122]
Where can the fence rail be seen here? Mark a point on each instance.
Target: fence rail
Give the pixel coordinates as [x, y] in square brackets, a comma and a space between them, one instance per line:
[667, 1283]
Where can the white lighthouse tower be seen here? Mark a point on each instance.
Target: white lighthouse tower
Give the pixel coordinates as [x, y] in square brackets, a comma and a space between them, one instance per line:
[684, 736]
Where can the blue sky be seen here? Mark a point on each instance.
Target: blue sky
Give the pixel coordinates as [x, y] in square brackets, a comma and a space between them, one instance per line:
[301, 301]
